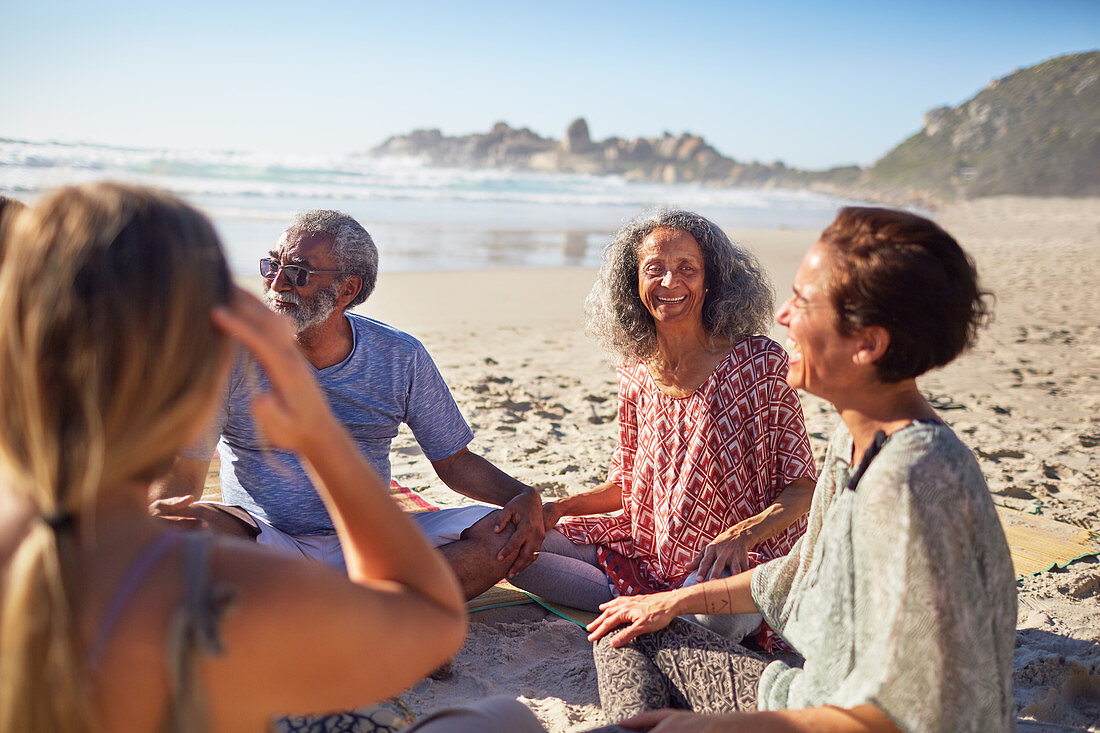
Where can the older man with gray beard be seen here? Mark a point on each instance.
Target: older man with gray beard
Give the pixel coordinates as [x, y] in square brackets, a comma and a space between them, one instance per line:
[375, 377]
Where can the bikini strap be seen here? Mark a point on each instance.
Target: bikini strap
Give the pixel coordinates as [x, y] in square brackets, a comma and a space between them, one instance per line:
[194, 631]
[135, 576]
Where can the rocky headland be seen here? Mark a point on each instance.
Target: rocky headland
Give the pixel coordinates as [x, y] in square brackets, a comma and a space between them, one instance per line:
[1035, 132]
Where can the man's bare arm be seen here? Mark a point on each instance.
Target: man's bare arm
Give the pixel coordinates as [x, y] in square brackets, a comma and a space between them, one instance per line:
[471, 475]
[186, 478]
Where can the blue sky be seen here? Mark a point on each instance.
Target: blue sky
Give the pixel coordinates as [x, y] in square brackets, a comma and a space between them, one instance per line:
[811, 83]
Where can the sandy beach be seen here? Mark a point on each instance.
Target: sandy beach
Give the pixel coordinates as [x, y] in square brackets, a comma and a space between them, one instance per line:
[540, 397]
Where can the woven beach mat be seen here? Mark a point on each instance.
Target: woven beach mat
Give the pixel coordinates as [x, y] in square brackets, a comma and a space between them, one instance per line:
[1038, 544]
[410, 501]
[505, 594]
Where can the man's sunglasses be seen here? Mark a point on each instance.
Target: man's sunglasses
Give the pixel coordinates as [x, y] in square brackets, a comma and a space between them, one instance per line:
[297, 275]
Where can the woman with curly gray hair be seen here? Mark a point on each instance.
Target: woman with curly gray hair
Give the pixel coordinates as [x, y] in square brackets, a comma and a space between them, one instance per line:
[713, 471]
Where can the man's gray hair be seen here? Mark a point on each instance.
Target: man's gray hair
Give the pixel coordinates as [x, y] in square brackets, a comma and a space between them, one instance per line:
[739, 301]
[353, 248]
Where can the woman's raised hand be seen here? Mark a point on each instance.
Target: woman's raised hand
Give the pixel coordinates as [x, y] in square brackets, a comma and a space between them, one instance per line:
[294, 412]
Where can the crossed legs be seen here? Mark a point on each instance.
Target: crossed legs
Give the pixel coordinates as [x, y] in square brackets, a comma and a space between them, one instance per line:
[681, 666]
[463, 535]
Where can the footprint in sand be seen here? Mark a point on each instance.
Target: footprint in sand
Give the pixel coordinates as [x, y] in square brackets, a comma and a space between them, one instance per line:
[513, 406]
[598, 419]
[1016, 493]
[944, 402]
[1090, 439]
[1076, 700]
[997, 455]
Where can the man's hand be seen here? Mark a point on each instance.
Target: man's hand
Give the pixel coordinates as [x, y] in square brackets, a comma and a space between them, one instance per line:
[186, 513]
[726, 554]
[525, 511]
[180, 511]
[644, 614]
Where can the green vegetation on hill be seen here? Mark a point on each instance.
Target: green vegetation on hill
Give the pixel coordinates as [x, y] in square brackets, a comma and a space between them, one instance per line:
[1035, 132]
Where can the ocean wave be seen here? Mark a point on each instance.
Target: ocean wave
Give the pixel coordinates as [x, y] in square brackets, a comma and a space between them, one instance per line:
[29, 167]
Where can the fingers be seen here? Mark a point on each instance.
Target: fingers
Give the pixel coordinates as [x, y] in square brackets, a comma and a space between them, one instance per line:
[269, 336]
[508, 558]
[512, 546]
[613, 615]
[646, 720]
[525, 541]
[503, 518]
[523, 560]
[630, 632]
[249, 320]
[716, 570]
[173, 503]
[706, 563]
[597, 628]
[733, 562]
[179, 522]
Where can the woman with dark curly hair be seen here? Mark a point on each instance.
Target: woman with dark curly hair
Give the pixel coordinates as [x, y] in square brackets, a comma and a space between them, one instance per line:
[900, 597]
[713, 469]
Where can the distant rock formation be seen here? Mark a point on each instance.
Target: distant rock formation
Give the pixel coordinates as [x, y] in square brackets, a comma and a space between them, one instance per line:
[501, 147]
[669, 158]
[577, 140]
[1035, 132]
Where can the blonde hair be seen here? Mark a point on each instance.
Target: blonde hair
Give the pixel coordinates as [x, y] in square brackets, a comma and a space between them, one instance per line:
[108, 358]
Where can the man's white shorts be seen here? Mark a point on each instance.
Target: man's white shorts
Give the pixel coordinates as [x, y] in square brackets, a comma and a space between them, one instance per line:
[439, 527]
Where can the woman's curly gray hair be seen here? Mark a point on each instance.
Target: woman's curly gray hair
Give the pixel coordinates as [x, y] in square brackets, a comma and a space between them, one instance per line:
[739, 301]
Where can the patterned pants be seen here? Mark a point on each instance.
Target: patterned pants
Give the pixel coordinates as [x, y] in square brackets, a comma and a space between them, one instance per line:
[682, 666]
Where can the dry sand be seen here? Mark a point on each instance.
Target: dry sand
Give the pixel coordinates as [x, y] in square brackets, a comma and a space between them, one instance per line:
[541, 400]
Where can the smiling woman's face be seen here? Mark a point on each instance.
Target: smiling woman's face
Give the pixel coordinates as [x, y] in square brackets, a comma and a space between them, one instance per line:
[820, 356]
[671, 277]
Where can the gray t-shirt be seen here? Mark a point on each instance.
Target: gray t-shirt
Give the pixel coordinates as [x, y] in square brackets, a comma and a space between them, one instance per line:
[387, 379]
[900, 594]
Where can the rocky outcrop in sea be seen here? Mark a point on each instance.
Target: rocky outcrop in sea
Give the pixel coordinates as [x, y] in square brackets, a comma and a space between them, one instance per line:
[1035, 132]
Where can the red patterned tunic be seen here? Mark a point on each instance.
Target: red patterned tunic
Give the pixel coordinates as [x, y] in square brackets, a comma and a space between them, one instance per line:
[691, 467]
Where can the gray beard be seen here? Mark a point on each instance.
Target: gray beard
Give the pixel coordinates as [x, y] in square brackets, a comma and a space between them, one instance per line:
[309, 312]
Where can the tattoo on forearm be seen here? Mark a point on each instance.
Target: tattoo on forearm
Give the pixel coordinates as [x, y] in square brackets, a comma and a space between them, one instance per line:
[716, 604]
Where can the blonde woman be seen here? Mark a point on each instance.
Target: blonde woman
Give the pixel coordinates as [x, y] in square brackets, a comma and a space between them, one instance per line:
[118, 321]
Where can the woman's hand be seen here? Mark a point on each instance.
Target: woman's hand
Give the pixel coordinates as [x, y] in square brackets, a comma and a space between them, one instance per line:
[681, 721]
[552, 512]
[294, 412]
[644, 614]
[726, 554]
